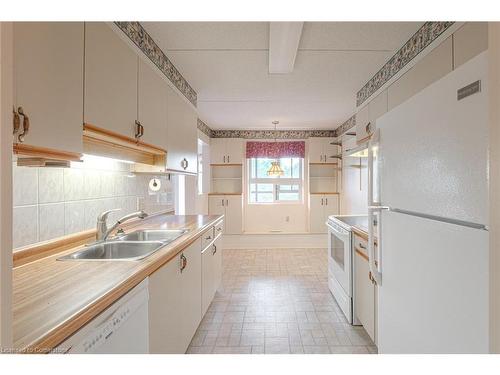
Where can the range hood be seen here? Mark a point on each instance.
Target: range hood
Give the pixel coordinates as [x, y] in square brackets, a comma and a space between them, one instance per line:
[360, 151]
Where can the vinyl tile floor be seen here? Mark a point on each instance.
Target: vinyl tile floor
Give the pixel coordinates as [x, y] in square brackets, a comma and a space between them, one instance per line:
[277, 301]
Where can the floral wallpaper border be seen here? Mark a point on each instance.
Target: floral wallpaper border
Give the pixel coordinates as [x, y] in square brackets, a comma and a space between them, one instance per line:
[416, 44]
[147, 45]
[272, 134]
[349, 124]
[204, 128]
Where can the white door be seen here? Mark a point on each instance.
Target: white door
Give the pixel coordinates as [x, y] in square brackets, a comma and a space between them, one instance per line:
[364, 295]
[165, 309]
[331, 206]
[434, 292]
[317, 214]
[190, 293]
[152, 99]
[234, 211]
[216, 205]
[218, 150]
[234, 150]
[182, 138]
[48, 68]
[316, 150]
[110, 80]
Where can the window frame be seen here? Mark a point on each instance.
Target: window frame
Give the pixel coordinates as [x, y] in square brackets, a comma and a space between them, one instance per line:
[276, 182]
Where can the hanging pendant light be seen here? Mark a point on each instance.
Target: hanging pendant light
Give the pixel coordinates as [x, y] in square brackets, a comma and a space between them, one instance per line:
[275, 169]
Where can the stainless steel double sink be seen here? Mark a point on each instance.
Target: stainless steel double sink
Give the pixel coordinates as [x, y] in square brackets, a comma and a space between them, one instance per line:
[132, 246]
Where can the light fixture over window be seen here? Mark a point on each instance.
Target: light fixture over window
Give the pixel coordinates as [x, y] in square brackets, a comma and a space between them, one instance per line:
[275, 169]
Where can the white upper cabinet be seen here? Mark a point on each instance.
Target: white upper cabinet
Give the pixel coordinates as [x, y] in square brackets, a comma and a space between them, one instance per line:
[366, 118]
[48, 68]
[182, 137]
[321, 150]
[152, 108]
[226, 150]
[110, 80]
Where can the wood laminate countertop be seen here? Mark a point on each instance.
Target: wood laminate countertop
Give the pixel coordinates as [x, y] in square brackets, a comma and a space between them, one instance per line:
[53, 299]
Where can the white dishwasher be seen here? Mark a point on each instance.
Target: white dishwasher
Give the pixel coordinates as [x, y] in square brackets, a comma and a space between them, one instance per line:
[123, 328]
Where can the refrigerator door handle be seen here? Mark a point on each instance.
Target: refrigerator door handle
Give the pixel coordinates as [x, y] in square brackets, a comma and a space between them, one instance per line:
[373, 208]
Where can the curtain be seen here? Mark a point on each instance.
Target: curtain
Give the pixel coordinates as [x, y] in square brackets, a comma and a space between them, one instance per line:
[276, 150]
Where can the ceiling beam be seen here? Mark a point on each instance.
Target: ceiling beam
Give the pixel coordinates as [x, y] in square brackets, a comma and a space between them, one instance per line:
[284, 38]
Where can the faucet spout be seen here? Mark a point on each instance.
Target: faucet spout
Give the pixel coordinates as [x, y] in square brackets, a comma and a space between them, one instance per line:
[140, 214]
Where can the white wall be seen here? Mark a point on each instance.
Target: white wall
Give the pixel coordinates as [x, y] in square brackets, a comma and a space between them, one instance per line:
[262, 218]
[354, 181]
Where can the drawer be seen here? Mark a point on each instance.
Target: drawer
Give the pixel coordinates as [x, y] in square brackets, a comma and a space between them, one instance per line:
[219, 228]
[361, 244]
[207, 237]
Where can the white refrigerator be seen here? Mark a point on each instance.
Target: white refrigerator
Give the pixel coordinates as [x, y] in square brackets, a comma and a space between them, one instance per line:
[428, 195]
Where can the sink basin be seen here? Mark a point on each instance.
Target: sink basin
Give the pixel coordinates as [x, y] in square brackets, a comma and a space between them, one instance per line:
[116, 250]
[162, 235]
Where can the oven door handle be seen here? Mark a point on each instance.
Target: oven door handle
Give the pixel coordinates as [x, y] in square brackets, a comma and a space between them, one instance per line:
[337, 233]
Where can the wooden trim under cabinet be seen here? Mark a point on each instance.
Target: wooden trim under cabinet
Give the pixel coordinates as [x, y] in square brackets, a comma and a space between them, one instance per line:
[44, 153]
[226, 165]
[324, 193]
[225, 193]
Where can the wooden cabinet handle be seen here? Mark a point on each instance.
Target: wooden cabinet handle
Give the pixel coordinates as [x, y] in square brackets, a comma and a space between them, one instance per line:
[184, 163]
[184, 262]
[26, 125]
[138, 129]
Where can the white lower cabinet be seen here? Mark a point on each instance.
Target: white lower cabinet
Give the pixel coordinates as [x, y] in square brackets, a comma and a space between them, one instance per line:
[175, 302]
[322, 206]
[364, 290]
[211, 273]
[231, 207]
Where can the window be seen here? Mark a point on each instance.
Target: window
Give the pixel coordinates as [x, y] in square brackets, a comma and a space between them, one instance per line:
[203, 177]
[270, 189]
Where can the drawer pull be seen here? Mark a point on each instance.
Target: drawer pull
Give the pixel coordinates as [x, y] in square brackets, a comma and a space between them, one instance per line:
[215, 249]
[26, 125]
[362, 246]
[208, 238]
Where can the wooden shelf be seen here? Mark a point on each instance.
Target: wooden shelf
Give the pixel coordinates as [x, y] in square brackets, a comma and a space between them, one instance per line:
[42, 153]
[324, 193]
[226, 165]
[324, 164]
[225, 193]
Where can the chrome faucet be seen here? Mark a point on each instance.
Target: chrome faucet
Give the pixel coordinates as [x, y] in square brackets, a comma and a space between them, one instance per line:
[102, 228]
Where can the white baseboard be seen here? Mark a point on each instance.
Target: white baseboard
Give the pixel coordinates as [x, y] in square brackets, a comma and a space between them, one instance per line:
[274, 241]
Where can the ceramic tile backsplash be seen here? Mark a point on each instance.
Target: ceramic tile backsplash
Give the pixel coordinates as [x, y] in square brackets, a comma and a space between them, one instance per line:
[52, 202]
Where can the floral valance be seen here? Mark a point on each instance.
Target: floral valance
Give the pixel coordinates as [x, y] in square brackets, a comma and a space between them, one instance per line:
[276, 150]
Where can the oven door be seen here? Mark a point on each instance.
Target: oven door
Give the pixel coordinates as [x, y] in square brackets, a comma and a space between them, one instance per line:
[339, 256]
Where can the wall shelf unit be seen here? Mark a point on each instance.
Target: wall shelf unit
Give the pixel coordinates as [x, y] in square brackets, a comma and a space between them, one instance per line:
[323, 178]
[227, 178]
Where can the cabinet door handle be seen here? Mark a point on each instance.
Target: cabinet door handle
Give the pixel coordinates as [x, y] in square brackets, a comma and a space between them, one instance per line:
[214, 249]
[224, 158]
[16, 121]
[227, 202]
[326, 201]
[208, 238]
[184, 163]
[184, 262]
[372, 279]
[228, 158]
[222, 202]
[219, 229]
[322, 201]
[138, 129]
[362, 246]
[26, 124]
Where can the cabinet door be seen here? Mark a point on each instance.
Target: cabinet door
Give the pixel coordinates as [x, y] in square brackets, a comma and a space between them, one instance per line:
[152, 105]
[165, 310]
[331, 206]
[317, 214]
[234, 150]
[216, 205]
[362, 120]
[233, 220]
[364, 295]
[316, 150]
[217, 265]
[190, 293]
[48, 68]
[181, 134]
[218, 151]
[207, 279]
